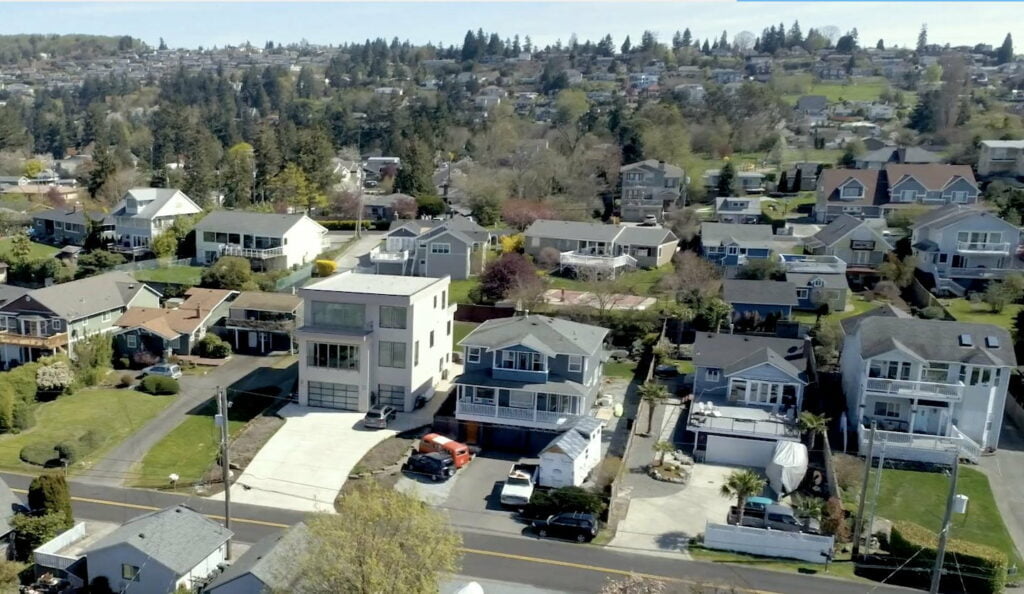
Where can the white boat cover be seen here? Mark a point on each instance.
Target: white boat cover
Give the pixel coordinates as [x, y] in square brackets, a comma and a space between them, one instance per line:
[788, 467]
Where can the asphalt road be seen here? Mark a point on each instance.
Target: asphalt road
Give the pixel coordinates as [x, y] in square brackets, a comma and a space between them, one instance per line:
[547, 564]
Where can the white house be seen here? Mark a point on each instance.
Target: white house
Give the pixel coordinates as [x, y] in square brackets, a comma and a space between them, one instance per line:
[373, 339]
[269, 241]
[145, 213]
[932, 387]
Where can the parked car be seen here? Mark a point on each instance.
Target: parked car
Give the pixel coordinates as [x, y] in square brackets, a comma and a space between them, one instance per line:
[378, 416]
[164, 369]
[437, 466]
[519, 485]
[649, 221]
[423, 399]
[666, 370]
[569, 525]
[774, 517]
[457, 451]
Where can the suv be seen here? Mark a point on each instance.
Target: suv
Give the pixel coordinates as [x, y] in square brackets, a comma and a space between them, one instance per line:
[437, 466]
[164, 369]
[378, 416]
[570, 525]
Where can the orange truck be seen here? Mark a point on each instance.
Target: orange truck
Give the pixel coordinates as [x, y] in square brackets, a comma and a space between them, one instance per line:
[435, 442]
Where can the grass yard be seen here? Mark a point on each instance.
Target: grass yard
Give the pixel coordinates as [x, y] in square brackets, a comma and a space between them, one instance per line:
[858, 89]
[778, 208]
[459, 290]
[460, 331]
[620, 369]
[920, 497]
[965, 311]
[110, 416]
[38, 251]
[639, 282]
[180, 275]
[860, 305]
[841, 567]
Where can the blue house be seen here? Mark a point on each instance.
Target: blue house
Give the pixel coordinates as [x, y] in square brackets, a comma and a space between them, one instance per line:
[758, 304]
[728, 244]
[819, 280]
[527, 378]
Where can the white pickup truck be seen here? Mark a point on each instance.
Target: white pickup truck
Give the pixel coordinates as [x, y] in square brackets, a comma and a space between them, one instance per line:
[518, 488]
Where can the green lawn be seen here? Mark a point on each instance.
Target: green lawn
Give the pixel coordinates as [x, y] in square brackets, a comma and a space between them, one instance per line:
[38, 251]
[111, 416]
[787, 207]
[965, 311]
[639, 282]
[460, 331]
[841, 567]
[620, 369]
[860, 305]
[181, 275]
[459, 290]
[920, 497]
[859, 89]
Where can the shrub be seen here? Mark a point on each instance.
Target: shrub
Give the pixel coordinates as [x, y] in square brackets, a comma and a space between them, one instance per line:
[23, 380]
[325, 267]
[849, 471]
[123, 363]
[125, 381]
[988, 565]
[23, 417]
[55, 377]
[933, 312]
[342, 224]
[564, 499]
[143, 359]
[213, 347]
[49, 494]
[32, 531]
[834, 522]
[40, 454]
[67, 451]
[159, 385]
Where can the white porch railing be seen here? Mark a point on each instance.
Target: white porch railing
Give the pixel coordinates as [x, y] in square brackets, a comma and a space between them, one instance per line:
[585, 260]
[915, 389]
[813, 264]
[237, 250]
[921, 447]
[518, 414]
[969, 448]
[975, 272]
[983, 247]
[378, 255]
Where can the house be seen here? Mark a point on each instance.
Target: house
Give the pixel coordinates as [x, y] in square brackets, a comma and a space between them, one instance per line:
[269, 241]
[759, 303]
[67, 226]
[749, 182]
[859, 243]
[268, 566]
[802, 176]
[456, 247]
[570, 457]
[52, 319]
[144, 213]
[384, 207]
[748, 391]
[600, 247]
[964, 247]
[527, 378]
[161, 551]
[146, 332]
[932, 184]
[732, 244]
[1001, 158]
[649, 188]
[259, 323]
[856, 192]
[819, 281]
[885, 310]
[812, 105]
[375, 167]
[370, 339]
[736, 210]
[906, 155]
[932, 387]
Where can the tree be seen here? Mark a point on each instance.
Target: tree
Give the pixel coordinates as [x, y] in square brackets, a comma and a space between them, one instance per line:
[827, 337]
[32, 168]
[761, 269]
[229, 272]
[661, 448]
[627, 46]
[922, 39]
[385, 523]
[742, 484]
[508, 272]
[485, 209]
[693, 278]
[55, 377]
[1004, 54]
[898, 270]
[999, 294]
[813, 424]
[653, 394]
[683, 222]
[21, 247]
[93, 357]
[165, 245]
[96, 262]
[238, 172]
[291, 187]
[32, 531]
[727, 180]
[522, 213]
[405, 207]
[49, 494]
[429, 205]
[880, 45]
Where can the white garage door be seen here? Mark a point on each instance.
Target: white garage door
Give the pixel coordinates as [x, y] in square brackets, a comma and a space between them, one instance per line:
[737, 451]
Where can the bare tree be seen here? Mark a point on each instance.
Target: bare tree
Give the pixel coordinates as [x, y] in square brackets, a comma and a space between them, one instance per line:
[694, 278]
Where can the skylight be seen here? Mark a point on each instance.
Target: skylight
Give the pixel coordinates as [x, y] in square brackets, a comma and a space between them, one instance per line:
[992, 342]
[966, 340]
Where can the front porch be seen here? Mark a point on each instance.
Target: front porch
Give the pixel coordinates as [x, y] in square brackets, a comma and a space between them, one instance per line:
[542, 410]
[920, 447]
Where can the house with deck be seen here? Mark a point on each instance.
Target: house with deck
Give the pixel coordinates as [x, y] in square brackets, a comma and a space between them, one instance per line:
[269, 241]
[68, 226]
[932, 388]
[259, 323]
[861, 243]
[738, 210]
[145, 213]
[733, 244]
[455, 247]
[649, 188]
[747, 182]
[597, 246]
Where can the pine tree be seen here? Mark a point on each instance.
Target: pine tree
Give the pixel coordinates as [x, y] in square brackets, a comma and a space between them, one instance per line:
[922, 39]
[49, 494]
[687, 37]
[796, 37]
[880, 45]
[1004, 54]
[627, 45]
[723, 43]
[163, 46]
[706, 49]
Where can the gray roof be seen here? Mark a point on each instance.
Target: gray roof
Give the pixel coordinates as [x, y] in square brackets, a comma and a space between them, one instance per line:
[1012, 144]
[649, 236]
[9, 293]
[461, 227]
[830, 281]
[89, 296]
[894, 154]
[573, 230]
[67, 216]
[541, 333]
[812, 103]
[728, 351]
[556, 384]
[670, 170]
[750, 206]
[936, 340]
[260, 301]
[839, 228]
[272, 561]
[742, 235]
[384, 199]
[177, 537]
[886, 310]
[9, 502]
[766, 292]
[256, 223]
[156, 199]
[571, 443]
[952, 213]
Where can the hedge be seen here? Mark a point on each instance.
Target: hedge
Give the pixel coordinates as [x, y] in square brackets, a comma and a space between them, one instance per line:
[350, 224]
[159, 385]
[39, 454]
[982, 568]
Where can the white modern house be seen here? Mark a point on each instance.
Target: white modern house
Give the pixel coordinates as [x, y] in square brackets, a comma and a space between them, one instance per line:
[145, 213]
[269, 241]
[932, 388]
[373, 339]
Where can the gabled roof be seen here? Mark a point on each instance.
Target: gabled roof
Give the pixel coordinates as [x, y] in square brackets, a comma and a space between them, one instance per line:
[573, 230]
[88, 296]
[570, 443]
[763, 356]
[649, 236]
[839, 228]
[176, 537]
[829, 281]
[272, 561]
[748, 205]
[850, 324]
[171, 323]
[742, 235]
[65, 215]
[936, 340]
[759, 292]
[727, 351]
[933, 176]
[554, 334]
[895, 154]
[460, 227]
[831, 179]
[949, 214]
[670, 170]
[254, 223]
[154, 200]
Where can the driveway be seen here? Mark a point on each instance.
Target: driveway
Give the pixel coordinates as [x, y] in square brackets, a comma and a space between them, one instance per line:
[360, 247]
[1007, 481]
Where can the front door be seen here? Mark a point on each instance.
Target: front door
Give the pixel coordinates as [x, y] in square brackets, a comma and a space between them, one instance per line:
[928, 420]
[253, 339]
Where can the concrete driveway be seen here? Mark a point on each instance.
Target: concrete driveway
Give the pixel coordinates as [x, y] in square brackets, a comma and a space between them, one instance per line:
[474, 502]
[1007, 481]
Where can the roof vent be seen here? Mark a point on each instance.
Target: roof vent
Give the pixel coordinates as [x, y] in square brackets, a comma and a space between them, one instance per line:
[992, 342]
[966, 340]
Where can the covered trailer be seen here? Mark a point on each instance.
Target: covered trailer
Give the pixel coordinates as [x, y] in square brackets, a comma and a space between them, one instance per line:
[787, 467]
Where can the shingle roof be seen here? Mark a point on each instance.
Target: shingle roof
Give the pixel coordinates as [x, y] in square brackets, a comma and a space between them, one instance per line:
[89, 296]
[384, 199]
[831, 179]
[886, 310]
[573, 230]
[945, 216]
[170, 323]
[555, 334]
[829, 281]
[67, 216]
[894, 154]
[156, 198]
[933, 176]
[743, 235]
[839, 228]
[647, 236]
[258, 300]
[936, 340]
[670, 170]
[725, 351]
[751, 206]
[570, 443]
[256, 223]
[176, 537]
[272, 561]
[766, 292]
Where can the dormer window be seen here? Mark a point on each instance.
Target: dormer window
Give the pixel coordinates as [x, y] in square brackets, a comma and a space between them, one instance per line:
[852, 191]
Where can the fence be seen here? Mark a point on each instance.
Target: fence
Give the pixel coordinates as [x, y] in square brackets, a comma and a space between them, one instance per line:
[48, 554]
[768, 543]
[152, 264]
[830, 469]
[482, 313]
[296, 278]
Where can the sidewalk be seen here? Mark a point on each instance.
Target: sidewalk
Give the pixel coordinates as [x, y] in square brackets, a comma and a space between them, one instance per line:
[1007, 482]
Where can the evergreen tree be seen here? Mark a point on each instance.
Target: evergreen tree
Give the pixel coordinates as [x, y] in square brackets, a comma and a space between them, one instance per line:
[727, 180]
[687, 37]
[880, 45]
[163, 46]
[795, 37]
[627, 45]
[49, 494]
[1004, 54]
[723, 42]
[706, 49]
[469, 47]
[922, 39]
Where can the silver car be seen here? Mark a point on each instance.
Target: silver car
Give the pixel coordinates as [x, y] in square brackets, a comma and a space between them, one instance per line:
[164, 369]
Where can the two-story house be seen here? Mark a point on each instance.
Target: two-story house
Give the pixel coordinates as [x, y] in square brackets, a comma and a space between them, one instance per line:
[269, 241]
[747, 182]
[259, 323]
[860, 243]
[649, 188]
[526, 377]
[68, 226]
[371, 339]
[931, 387]
[932, 184]
[1001, 158]
[44, 321]
[748, 391]
[605, 247]
[737, 210]
[734, 244]
[819, 280]
[455, 247]
[888, 154]
[963, 247]
[855, 192]
[145, 213]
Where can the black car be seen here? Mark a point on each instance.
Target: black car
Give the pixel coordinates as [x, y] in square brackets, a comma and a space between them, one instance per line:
[437, 466]
[569, 525]
[666, 370]
[378, 416]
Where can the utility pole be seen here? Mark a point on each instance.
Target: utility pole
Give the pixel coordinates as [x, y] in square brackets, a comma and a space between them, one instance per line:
[859, 524]
[222, 420]
[946, 526]
[874, 498]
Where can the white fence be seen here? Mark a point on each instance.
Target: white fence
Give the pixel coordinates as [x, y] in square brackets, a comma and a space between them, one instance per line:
[768, 543]
[46, 555]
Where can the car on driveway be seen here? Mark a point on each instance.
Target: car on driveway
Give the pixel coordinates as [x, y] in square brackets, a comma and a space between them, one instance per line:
[435, 465]
[666, 370]
[568, 525]
[379, 416]
[164, 369]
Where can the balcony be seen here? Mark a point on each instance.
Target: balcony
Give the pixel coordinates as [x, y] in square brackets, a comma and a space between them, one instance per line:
[379, 256]
[135, 250]
[919, 447]
[980, 272]
[251, 253]
[52, 342]
[520, 415]
[915, 389]
[812, 264]
[578, 260]
[983, 247]
[282, 325]
[739, 420]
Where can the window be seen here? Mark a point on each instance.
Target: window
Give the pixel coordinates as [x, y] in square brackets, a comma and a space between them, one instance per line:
[106, 316]
[435, 301]
[521, 361]
[887, 409]
[936, 372]
[131, 341]
[444, 298]
[130, 572]
[908, 195]
[392, 354]
[817, 283]
[890, 370]
[711, 374]
[392, 317]
[801, 293]
[209, 237]
[732, 250]
[440, 248]
[981, 376]
[852, 191]
[431, 339]
[575, 363]
[473, 354]
[449, 329]
[960, 197]
[415, 353]
[332, 356]
[350, 316]
[330, 395]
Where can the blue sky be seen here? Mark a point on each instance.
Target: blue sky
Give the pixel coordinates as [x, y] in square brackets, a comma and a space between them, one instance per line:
[209, 24]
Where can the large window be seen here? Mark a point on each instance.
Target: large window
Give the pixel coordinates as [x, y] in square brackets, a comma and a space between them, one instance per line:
[521, 361]
[559, 403]
[332, 356]
[392, 317]
[392, 354]
[330, 395]
[936, 372]
[344, 316]
[440, 248]
[887, 409]
[898, 370]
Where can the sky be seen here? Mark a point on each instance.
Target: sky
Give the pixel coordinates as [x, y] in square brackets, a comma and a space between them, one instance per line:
[232, 23]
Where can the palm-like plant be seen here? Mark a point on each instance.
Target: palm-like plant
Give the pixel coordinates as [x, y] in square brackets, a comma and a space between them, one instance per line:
[661, 448]
[813, 424]
[653, 394]
[742, 484]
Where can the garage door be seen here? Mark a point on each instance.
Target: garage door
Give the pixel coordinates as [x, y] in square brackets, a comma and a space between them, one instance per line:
[392, 396]
[330, 395]
[737, 451]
